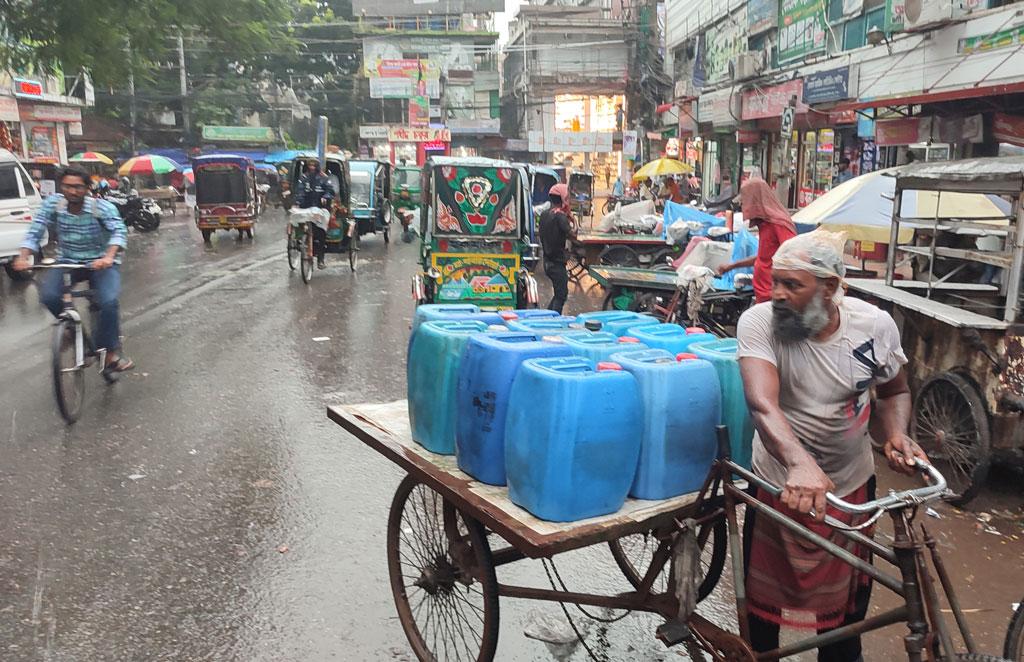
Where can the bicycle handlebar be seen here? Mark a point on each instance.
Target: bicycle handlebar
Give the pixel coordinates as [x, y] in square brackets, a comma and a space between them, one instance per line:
[61, 265]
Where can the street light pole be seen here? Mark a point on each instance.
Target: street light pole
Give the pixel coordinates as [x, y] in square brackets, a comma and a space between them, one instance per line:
[186, 125]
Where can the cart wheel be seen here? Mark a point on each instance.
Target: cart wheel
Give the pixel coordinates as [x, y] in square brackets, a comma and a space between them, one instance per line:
[634, 554]
[306, 266]
[619, 256]
[250, 232]
[442, 577]
[575, 267]
[951, 424]
[387, 222]
[1013, 648]
[294, 249]
[206, 235]
[241, 235]
[353, 250]
[646, 302]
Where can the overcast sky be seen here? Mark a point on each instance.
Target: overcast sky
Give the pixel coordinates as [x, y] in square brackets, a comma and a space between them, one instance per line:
[501, 19]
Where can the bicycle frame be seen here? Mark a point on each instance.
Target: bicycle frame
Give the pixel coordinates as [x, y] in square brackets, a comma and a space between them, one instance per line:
[929, 636]
[84, 347]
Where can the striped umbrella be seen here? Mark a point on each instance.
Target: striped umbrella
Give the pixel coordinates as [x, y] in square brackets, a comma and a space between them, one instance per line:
[147, 164]
[189, 175]
[91, 157]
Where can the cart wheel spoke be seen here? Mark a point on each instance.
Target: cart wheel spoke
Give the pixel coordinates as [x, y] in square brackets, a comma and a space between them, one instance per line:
[442, 577]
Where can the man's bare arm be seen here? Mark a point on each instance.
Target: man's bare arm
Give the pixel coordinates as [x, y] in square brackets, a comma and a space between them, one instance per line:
[806, 484]
[892, 405]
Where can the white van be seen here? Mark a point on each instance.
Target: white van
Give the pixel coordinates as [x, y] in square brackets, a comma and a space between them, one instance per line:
[19, 200]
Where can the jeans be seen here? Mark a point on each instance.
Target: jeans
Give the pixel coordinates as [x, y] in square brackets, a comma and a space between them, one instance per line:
[559, 283]
[319, 241]
[106, 287]
[764, 635]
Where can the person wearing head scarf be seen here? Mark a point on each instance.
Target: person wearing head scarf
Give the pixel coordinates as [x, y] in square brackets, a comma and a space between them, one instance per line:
[556, 230]
[762, 210]
[314, 189]
[810, 359]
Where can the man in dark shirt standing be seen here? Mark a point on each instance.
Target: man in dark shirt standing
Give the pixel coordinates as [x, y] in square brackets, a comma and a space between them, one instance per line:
[555, 231]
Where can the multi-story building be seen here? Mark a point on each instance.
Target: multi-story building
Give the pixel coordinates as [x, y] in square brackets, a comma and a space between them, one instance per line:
[877, 82]
[565, 72]
[431, 73]
[38, 114]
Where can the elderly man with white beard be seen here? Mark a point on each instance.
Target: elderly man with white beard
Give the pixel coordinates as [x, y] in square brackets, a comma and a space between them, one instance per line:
[810, 358]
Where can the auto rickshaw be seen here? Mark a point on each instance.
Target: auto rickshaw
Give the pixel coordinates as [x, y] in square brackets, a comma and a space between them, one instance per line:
[542, 178]
[581, 193]
[226, 194]
[477, 235]
[405, 189]
[342, 235]
[371, 197]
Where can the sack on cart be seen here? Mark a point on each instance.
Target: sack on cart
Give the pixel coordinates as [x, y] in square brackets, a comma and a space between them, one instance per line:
[316, 215]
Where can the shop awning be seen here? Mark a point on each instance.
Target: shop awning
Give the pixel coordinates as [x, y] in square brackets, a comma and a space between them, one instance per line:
[930, 97]
[664, 108]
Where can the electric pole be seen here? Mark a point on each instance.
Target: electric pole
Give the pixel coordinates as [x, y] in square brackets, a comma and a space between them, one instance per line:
[183, 82]
[131, 93]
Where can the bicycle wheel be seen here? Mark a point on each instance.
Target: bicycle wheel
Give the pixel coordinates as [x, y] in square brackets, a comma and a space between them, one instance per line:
[634, 554]
[306, 266]
[353, 249]
[294, 249]
[442, 577]
[68, 376]
[1013, 649]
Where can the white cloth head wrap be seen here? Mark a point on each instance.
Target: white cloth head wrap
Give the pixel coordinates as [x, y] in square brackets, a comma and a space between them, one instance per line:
[819, 252]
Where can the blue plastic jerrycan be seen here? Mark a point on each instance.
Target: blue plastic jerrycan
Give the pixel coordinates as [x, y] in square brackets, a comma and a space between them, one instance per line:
[571, 442]
[599, 346]
[681, 407]
[547, 325]
[617, 321]
[735, 415]
[534, 313]
[489, 366]
[669, 337]
[433, 371]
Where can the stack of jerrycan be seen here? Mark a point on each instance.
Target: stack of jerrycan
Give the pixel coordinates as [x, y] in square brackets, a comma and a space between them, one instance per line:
[436, 312]
[598, 347]
[548, 326]
[571, 442]
[681, 407]
[532, 313]
[617, 321]
[670, 337]
[735, 415]
[489, 366]
[434, 357]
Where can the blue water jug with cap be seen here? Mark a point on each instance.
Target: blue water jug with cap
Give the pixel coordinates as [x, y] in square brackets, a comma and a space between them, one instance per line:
[681, 407]
[489, 366]
[547, 325]
[735, 414]
[432, 375]
[599, 346]
[617, 322]
[669, 337]
[534, 313]
[571, 442]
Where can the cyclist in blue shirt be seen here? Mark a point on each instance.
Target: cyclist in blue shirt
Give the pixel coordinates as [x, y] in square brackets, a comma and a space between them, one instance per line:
[88, 231]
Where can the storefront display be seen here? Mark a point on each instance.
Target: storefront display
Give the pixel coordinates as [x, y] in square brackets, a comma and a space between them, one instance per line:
[816, 165]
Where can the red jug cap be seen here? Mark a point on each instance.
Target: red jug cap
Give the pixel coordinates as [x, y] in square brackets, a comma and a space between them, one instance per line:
[603, 366]
[508, 315]
[686, 356]
[629, 339]
[695, 329]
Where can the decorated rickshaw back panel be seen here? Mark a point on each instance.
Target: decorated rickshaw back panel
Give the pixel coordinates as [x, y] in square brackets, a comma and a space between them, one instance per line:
[476, 201]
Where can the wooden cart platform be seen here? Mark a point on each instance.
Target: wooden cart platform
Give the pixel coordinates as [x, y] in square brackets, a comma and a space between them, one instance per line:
[651, 279]
[385, 428]
[621, 238]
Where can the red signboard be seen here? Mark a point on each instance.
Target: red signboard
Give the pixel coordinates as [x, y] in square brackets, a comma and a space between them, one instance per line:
[769, 102]
[904, 131]
[1008, 128]
[748, 136]
[27, 88]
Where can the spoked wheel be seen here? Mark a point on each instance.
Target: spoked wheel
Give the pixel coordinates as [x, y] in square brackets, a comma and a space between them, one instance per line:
[442, 577]
[619, 256]
[353, 249]
[647, 302]
[306, 267]
[634, 554]
[951, 424]
[575, 267]
[1013, 649]
[68, 378]
[250, 232]
[294, 249]
[387, 222]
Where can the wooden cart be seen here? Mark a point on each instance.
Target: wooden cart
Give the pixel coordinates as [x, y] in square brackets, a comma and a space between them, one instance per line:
[447, 533]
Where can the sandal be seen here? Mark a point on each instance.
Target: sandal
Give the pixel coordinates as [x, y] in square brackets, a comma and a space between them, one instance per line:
[122, 364]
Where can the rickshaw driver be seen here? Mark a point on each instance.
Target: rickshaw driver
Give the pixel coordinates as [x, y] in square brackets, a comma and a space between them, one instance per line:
[809, 359]
[315, 190]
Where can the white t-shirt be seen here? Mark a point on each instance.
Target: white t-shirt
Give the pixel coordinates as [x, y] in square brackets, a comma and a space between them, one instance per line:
[824, 387]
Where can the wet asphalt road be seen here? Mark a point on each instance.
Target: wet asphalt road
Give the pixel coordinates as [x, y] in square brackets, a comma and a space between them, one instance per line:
[204, 508]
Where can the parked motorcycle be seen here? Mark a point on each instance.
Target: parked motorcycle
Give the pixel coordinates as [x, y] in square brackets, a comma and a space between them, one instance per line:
[140, 213]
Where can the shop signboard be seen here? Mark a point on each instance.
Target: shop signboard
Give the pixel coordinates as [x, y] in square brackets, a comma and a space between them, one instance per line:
[402, 88]
[1008, 128]
[475, 126]
[801, 29]
[419, 111]
[748, 136]
[1002, 39]
[629, 144]
[244, 134]
[419, 8]
[770, 102]
[373, 132]
[903, 131]
[723, 43]
[9, 110]
[721, 108]
[23, 87]
[409, 134]
[48, 113]
[825, 86]
[762, 15]
[42, 144]
[572, 141]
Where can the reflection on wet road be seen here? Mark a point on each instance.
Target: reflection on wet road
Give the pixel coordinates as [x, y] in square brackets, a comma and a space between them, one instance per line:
[205, 508]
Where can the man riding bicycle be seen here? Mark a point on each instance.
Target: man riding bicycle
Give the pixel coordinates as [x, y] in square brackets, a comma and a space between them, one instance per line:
[314, 189]
[88, 231]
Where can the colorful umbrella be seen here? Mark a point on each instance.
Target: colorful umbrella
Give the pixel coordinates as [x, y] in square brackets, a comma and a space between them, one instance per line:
[189, 175]
[147, 164]
[660, 167]
[91, 157]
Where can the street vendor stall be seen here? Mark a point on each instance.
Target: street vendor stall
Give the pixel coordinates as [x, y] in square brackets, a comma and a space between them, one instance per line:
[959, 315]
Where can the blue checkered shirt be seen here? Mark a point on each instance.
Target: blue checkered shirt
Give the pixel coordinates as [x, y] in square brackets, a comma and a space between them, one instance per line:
[80, 238]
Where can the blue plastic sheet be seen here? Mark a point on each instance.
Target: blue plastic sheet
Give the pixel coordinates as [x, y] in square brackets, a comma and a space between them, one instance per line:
[675, 212]
[744, 245]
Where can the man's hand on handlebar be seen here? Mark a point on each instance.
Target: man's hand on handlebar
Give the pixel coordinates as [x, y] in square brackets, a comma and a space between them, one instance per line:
[902, 453]
[805, 489]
